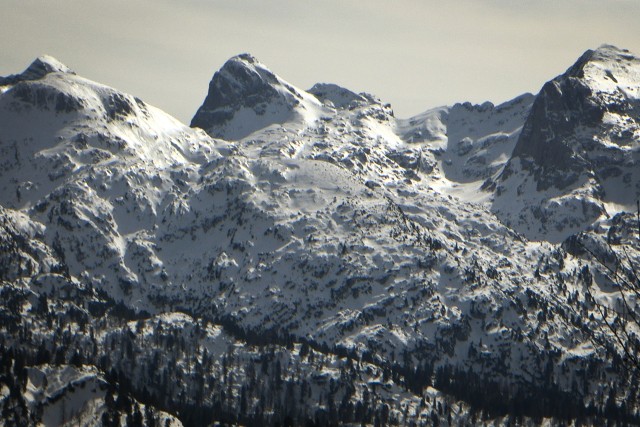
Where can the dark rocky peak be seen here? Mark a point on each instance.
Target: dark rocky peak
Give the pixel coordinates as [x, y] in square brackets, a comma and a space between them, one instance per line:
[577, 69]
[39, 68]
[243, 82]
[567, 118]
[44, 65]
[338, 96]
[244, 79]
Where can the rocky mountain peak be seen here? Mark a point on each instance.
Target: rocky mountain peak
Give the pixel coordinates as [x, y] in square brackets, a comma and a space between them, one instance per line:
[39, 68]
[578, 146]
[44, 65]
[582, 105]
[243, 76]
[243, 83]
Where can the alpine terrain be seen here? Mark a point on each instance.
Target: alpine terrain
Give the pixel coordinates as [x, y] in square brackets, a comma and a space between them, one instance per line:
[304, 257]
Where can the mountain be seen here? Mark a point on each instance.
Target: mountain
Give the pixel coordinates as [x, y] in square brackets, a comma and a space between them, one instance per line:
[311, 258]
[245, 96]
[576, 159]
[39, 68]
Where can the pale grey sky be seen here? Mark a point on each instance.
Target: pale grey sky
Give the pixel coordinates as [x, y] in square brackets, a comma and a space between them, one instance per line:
[415, 54]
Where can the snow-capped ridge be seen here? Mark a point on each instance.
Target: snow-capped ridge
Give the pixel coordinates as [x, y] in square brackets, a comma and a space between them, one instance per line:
[604, 54]
[336, 96]
[332, 253]
[63, 125]
[39, 68]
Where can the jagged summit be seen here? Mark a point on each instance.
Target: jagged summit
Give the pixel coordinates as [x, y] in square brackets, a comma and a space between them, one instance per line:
[44, 65]
[244, 96]
[243, 79]
[599, 92]
[39, 68]
[578, 149]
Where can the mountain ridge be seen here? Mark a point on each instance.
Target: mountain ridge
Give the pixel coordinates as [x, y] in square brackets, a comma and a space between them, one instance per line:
[40, 67]
[326, 250]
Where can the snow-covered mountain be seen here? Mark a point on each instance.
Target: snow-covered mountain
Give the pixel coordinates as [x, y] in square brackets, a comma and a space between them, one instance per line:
[377, 268]
[577, 157]
[245, 96]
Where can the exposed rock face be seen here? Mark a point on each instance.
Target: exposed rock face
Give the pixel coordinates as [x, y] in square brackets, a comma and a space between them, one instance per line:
[580, 142]
[245, 96]
[339, 97]
[38, 69]
[329, 251]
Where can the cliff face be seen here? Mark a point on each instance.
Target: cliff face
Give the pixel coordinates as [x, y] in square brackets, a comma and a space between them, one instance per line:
[578, 147]
[245, 96]
[592, 107]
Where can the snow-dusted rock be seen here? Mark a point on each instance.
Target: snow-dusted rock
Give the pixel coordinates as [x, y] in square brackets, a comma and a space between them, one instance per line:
[576, 159]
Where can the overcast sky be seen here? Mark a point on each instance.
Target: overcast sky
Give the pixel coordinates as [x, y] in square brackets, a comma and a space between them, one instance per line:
[415, 54]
